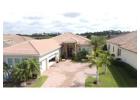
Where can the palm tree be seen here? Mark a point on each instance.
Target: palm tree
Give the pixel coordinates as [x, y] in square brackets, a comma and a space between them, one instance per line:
[25, 71]
[97, 41]
[21, 72]
[34, 67]
[105, 59]
[95, 60]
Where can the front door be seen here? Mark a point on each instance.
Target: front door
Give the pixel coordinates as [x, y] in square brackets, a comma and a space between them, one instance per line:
[69, 49]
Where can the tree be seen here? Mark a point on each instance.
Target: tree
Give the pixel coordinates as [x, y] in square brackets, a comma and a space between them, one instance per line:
[97, 42]
[25, 70]
[34, 67]
[105, 59]
[21, 72]
[95, 60]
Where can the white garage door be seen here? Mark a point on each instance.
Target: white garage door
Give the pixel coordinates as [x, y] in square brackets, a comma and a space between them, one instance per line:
[52, 59]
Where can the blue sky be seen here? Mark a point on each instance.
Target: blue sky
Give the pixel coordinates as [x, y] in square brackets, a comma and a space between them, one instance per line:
[30, 16]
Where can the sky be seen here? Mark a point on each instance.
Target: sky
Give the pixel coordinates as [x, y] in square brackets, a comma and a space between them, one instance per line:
[78, 16]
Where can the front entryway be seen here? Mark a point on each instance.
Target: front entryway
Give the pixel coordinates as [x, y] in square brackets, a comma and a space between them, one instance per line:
[68, 49]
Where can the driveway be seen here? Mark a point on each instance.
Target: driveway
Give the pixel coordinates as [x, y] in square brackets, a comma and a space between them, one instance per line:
[68, 74]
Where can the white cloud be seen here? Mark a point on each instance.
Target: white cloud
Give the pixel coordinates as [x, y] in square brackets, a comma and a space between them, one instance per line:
[29, 16]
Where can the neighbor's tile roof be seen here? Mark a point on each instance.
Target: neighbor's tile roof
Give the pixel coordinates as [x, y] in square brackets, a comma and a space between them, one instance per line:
[32, 47]
[127, 41]
[69, 37]
[11, 39]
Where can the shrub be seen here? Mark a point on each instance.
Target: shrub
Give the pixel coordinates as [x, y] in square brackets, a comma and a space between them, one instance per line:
[74, 57]
[28, 69]
[104, 47]
[62, 56]
[80, 55]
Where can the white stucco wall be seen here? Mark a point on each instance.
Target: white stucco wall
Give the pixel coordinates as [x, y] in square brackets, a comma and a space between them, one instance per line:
[129, 57]
[43, 65]
[44, 60]
[111, 49]
[126, 56]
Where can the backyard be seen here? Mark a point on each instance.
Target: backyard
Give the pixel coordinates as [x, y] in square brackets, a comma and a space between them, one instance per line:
[118, 75]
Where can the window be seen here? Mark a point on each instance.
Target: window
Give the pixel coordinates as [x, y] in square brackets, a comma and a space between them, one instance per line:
[17, 60]
[119, 52]
[113, 48]
[10, 61]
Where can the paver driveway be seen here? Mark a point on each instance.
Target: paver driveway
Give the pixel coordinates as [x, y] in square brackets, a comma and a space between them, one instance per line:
[68, 74]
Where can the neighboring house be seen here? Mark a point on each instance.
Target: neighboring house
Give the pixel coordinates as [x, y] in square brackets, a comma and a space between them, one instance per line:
[11, 39]
[124, 47]
[46, 51]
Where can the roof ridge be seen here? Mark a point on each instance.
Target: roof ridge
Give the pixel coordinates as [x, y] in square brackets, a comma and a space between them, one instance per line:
[81, 37]
[74, 39]
[33, 46]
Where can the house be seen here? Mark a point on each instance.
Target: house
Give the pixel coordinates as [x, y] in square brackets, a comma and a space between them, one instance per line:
[46, 51]
[11, 39]
[124, 47]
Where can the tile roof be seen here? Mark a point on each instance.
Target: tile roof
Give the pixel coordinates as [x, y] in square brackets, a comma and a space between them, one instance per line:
[43, 46]
[11, 39]
[32, 47]
[69, 37]
[127, 41]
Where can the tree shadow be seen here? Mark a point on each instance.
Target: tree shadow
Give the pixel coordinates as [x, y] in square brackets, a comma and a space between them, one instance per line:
[120, 78]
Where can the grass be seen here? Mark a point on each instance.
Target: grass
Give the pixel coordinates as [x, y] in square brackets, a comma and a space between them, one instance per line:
[118, 75]
[89, 82]
[124, 74]
[39, 81]
[105, 80]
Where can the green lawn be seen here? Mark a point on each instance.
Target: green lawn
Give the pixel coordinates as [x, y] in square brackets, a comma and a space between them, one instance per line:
[118, 75]
[39, 81]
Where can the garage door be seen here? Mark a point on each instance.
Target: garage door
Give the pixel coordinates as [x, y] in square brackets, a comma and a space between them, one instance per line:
[52, 60]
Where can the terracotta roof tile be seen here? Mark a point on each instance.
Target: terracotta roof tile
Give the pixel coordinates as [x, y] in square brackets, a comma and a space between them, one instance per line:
[127, 41]
[72, 37]
[45, 45]
[11, 39]
[24, 48]
[32, 47]
[40, 47]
